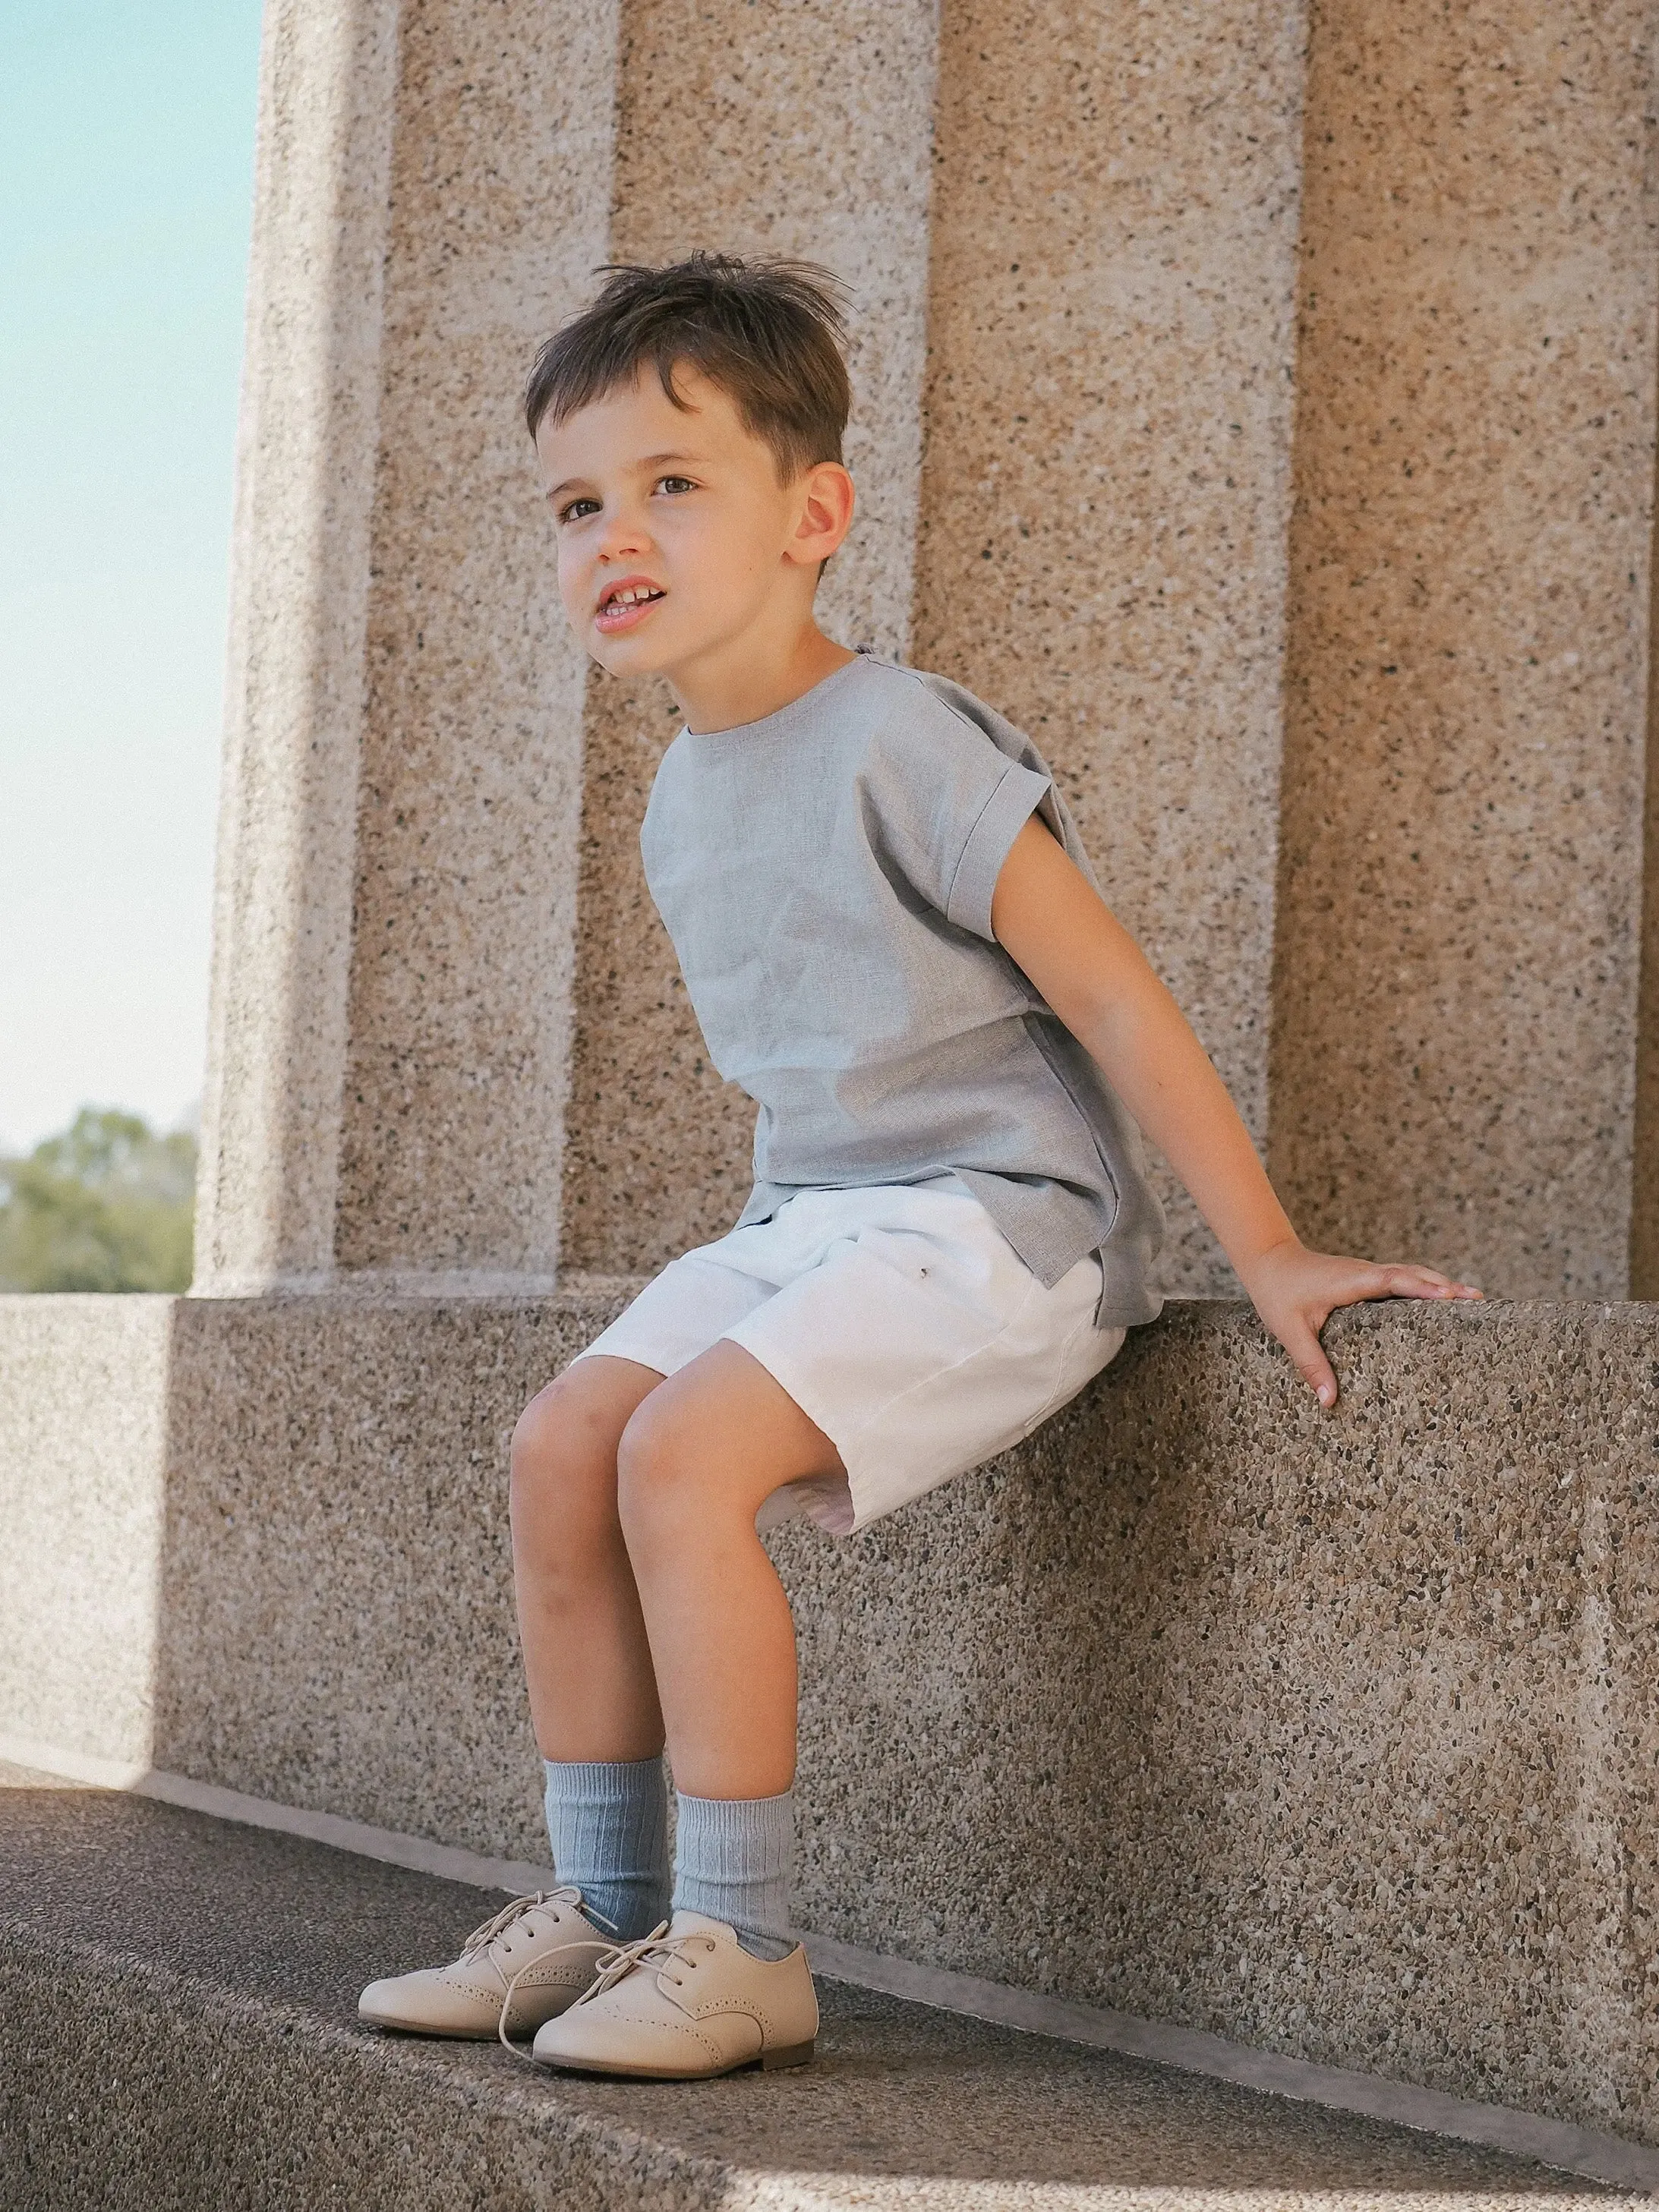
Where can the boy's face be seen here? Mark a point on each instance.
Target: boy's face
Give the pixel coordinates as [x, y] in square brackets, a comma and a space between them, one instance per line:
[677, 540]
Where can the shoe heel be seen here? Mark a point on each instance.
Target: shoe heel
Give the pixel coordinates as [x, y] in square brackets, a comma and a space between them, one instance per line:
[792, 2054]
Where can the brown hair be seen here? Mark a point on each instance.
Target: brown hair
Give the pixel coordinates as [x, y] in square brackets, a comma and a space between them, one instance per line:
[769, 333]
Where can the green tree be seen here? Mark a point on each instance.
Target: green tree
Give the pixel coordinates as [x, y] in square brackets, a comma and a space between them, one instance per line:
[107, 1205]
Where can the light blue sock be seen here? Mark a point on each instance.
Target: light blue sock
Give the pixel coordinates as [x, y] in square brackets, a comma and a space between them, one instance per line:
[732, 1860]
[607, 1820]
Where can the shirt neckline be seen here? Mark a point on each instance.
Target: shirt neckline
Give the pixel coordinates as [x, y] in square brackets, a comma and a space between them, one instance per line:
[775, 724]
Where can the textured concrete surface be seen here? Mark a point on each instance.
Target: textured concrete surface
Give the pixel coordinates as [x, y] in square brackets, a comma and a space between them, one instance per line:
[336, 1612]
[830, 103]
[1454, 998]
[266, 1544]
[1339, 1737]
[464, 889]
[1073, 237]
[84, 1398]
[1106, 481]
[305, 485]
[177, 1999]
[1644, 1180]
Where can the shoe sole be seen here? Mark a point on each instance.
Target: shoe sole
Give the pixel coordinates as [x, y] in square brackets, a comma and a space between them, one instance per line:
[779, 2061]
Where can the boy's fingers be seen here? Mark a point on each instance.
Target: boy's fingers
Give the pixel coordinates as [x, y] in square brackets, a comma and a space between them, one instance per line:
[1427, 1283]
[1368, 1281]
[1307, 1355]
[1401, 1281]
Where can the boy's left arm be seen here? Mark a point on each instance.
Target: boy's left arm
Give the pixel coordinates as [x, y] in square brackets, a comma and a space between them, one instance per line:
[1048, 919]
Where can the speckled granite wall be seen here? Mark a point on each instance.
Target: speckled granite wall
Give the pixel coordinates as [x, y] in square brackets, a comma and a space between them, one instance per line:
[304, 486]
[464, 913]
[830, 106]
[83, 1415]
[353, 1640]
[1338, 1736]
[1455, 992]
[1107, 474]
[1644, 1181]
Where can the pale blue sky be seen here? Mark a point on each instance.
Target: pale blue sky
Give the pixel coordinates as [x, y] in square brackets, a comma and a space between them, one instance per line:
[127, 145]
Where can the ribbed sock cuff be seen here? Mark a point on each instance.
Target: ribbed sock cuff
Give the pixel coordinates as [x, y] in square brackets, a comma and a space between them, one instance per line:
[607, 1821]
[733, 1858]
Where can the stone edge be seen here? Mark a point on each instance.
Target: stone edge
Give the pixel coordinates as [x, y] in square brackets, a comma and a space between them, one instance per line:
[390, 1845]
[1556, 2143]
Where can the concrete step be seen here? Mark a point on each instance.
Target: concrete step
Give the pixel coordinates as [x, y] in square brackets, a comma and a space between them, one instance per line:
[177, 2016]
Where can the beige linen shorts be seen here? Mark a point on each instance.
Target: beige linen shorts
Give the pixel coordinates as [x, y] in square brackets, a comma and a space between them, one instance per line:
[899, 1318]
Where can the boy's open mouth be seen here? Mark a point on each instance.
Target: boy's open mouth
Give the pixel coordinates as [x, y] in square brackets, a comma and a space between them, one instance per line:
[627, 603]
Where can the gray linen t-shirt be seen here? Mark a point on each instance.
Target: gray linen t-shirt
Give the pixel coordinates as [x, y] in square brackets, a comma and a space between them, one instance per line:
[826, 874]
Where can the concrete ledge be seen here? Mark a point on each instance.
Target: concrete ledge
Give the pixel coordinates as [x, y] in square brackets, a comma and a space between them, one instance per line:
[1564, 2149]
[1336, 1738]
[42, 1761]
[1554, 2143]
[177, 2001]
[318, 1607]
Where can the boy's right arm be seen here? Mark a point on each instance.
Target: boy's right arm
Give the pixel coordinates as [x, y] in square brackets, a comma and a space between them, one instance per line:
[1050, 919]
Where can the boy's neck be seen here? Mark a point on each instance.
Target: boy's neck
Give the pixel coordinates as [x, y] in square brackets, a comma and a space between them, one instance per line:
[747, 689]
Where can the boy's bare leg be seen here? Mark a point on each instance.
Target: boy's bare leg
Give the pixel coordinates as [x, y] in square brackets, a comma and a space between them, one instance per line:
[592, 1694]
[697, 1460]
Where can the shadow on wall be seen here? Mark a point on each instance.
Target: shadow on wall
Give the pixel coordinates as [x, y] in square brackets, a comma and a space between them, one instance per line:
[336, 1601]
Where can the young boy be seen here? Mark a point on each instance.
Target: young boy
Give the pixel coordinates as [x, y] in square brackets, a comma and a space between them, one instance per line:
[893, 941]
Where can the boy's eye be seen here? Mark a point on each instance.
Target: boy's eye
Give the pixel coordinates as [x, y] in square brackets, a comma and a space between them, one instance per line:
[675, 484]
[574, 509]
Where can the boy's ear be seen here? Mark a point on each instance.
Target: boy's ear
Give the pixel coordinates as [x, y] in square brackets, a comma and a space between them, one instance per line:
[825, 513]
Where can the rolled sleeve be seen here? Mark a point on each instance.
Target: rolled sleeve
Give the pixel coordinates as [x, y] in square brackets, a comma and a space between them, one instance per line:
[1017, 796]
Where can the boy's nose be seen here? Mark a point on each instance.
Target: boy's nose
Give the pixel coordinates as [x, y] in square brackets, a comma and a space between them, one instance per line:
[625, 535]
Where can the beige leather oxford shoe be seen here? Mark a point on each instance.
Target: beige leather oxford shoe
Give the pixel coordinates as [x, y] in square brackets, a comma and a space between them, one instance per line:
[686, 2002]
[533, 1959]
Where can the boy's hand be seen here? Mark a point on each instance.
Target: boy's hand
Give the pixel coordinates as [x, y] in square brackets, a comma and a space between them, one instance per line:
[1296, 1291]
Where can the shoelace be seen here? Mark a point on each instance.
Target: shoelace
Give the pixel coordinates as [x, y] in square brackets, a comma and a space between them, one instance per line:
[508, 1917]
[656, 1949]
[482, 1938]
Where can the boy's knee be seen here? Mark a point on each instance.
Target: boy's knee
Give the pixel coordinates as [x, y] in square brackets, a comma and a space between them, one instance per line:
[654, 1483]
[538, 1433]
[560, 1453]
